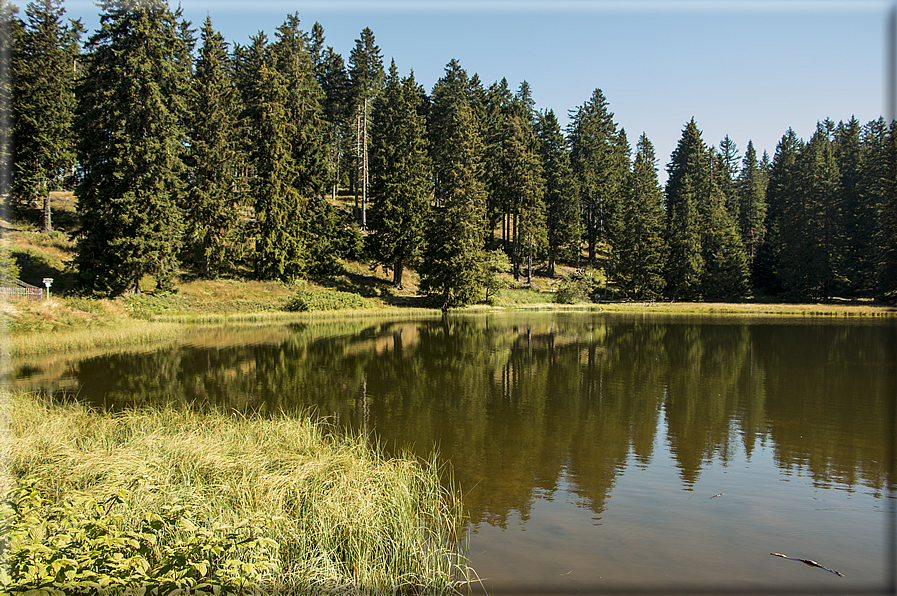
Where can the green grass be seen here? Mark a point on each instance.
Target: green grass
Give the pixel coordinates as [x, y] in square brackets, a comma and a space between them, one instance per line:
[345, 517]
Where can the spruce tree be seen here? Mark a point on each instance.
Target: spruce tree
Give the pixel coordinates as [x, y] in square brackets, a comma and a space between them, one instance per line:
[365, 80]
[858, 211]
[887, 245]
[875, 188]
[399, 175]
[330, 70]
[751, 192]
[725, 261]
[726, 178]
[132, 136]
[527, 190]
[308, 140]
[495, 108]
[281, 251]
[45, 62]
[309, 146]
[453, 264]
[599, 171]
[561, 196]
[687, 188]
[640, 250]
[10, 32]
[783, 184]
[213, 201]
[810, 263]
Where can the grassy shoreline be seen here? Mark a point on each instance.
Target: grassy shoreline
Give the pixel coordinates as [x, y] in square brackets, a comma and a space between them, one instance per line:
[343, 517]
[68, 324]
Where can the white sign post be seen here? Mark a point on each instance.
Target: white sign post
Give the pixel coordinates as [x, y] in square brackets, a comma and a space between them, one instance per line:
[48, 281]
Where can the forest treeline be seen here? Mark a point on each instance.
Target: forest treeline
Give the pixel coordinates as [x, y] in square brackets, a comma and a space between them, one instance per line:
[190, 153]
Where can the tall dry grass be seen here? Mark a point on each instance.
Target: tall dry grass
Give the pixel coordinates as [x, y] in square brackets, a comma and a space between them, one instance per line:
[346, 518]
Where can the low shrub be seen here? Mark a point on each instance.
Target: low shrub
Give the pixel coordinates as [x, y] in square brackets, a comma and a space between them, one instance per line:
[575, 288]
[305, 300]
[81, 546]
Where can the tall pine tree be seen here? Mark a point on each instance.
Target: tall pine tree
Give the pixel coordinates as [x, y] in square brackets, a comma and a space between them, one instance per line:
[751, 192]
[810, 263]
[452, 268]
[599, 171]
[132, 137]
[725, 262]
[281, 251]
[640, 250]
[527, 190]
[10, 32]
[45, 61]
[214, 198]
[887, 245]
[783, 183]
[561, 196]
[365, 81]
[876, 190]
[687, 188]
[858, 210]
[399, 175]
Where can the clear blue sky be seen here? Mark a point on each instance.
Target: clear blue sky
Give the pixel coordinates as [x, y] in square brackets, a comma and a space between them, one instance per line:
[746, 68]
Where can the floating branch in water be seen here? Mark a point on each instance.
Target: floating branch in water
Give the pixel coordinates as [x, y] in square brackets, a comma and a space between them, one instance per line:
[808, 562]
[717, 495]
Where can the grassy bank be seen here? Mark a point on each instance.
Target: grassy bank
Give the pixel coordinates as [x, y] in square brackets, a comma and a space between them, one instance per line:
[341, 516]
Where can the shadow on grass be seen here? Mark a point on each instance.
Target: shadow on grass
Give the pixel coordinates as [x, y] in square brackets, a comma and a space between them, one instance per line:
[33, 268]
[62, 220]
[369, 286]
[411, 301]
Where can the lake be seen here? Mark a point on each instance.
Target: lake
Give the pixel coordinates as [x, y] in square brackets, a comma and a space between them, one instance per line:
[597, 452]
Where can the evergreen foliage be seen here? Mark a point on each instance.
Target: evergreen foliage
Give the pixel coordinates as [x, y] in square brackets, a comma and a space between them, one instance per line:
[781, 186]
[214, 200]
[132, 134]
[640, 249]
[599, 167]
[878, 191]
[810, 264]
[330, 70]
[887, 268]
[526, 189]
[279, 206]
[452, 268]
[687, 188]
[561, 195]
[751, 194]
[10, 32]
[494, 108]
[857, 223]
[726, 267]
[45, 62]
[365, 81]
[399, 175]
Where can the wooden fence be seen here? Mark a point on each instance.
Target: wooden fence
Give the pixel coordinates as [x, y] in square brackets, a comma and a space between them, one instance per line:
[19, 289]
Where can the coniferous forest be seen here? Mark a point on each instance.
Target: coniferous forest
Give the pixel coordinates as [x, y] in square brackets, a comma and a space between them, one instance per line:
[189, 153]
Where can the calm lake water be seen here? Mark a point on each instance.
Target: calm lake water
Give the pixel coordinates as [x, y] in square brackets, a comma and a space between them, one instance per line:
[589, 446]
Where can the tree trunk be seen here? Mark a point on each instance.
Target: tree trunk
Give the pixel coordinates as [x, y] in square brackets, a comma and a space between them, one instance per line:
[397, 271]
[515, 257]
[364, 178]
[529, 268]
[48, 225]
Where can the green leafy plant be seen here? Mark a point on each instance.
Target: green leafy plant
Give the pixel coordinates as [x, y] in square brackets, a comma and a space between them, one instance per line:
[578, 287]
[306, 300]
[81, 546]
